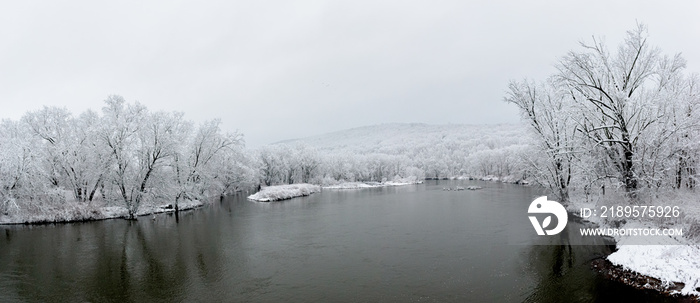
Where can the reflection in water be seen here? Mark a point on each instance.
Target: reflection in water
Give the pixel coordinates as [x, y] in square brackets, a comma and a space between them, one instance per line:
[415, 243]
[564, 273]
[113, 260]
[563, 255]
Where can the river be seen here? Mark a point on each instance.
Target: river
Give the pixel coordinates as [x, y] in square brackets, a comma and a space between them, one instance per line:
[414, 243]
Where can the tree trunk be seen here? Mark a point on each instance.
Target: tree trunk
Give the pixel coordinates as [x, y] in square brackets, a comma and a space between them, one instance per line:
[628, 168]
[679, 173]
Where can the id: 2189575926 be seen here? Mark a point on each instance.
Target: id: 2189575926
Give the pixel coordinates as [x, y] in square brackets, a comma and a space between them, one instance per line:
[629, 211]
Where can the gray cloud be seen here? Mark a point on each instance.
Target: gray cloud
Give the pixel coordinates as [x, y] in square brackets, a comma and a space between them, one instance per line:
[280, 70]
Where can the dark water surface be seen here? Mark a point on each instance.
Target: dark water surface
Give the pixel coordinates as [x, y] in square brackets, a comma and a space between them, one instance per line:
[399, 244]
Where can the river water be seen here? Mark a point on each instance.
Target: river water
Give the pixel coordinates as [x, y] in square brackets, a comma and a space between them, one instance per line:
[397, 244]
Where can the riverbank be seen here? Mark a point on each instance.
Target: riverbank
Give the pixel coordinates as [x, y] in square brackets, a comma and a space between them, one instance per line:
[668, 264]
[72, 211]
[61, 209]
[676, 266]
[620, 274]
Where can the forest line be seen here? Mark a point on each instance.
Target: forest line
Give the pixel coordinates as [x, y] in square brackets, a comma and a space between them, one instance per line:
[126, 156]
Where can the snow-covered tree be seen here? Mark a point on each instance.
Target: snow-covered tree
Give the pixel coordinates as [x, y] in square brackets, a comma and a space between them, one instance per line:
[549, 116]
[140, 144]
[309, 162]
[235, 169]
[616, 96]
[19, 180]
[271, 166]
[629, 116]
[50, 125]
[195, 168]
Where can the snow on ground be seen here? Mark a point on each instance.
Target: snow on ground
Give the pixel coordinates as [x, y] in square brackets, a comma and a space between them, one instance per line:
[669, 259]
[50, 212]
[283, 192]
[115, 211]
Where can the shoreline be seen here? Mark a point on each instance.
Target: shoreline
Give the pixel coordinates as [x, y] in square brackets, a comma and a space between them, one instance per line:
[89, 213]
[639, 281]
[110, 213]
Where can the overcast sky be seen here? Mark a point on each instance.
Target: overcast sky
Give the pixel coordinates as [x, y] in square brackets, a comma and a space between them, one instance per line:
[278, 70]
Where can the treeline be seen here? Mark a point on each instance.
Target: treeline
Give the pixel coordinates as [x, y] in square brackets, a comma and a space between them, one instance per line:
[399, 152]
[625, 117]
[125, 155]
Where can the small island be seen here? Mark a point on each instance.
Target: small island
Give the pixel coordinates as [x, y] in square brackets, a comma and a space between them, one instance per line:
[284, 192]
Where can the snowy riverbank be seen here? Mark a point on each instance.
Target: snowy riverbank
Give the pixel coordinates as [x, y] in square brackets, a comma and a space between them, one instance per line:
[511, 179]
[676, 265]
[82, 211]
[283, 192]
[288, 191]
[669, 264]
[360, 185]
